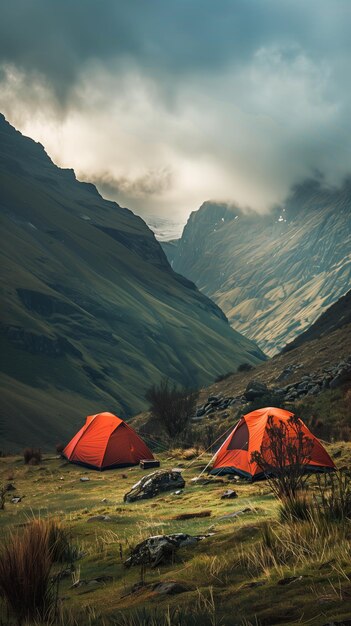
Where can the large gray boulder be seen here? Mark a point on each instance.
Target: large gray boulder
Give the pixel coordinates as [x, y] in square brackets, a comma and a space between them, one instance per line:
[153, 484]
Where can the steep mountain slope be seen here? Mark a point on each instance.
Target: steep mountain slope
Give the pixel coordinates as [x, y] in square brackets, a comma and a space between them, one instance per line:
[337, 316]
[92, 312]
[272, 275]
[311, 377]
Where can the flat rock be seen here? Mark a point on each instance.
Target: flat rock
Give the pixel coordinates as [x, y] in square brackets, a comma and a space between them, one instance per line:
[99, 518]
[235, 514]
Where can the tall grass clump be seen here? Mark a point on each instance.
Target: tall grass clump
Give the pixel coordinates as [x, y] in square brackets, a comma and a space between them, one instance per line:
[334, 496]
[296, 544]
[26, 562]
[25, 573]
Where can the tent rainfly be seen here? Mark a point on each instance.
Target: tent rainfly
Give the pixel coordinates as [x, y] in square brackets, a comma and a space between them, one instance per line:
[106, 441]
[250, 433]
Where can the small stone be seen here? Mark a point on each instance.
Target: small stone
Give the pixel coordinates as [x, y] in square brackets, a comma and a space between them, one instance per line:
[99, 518]
[229, 494]
[289, 580]
[84, 479]
[16, 500]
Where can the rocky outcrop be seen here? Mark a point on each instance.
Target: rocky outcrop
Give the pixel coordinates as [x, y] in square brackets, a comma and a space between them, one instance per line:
[331, 377]
[160, 549]
[153, 484]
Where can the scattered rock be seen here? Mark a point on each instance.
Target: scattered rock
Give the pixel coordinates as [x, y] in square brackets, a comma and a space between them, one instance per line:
[153, 484]
[84, 479]
[170, 588]
[99, 518]
[16, 499]
[124, 476]
[289, 580]
[166, 587]
[229, 494]
[160, 549]
[236, 514]
[203, 480]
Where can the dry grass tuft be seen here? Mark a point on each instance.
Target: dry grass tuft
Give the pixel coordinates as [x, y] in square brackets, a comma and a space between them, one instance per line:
[25, 572]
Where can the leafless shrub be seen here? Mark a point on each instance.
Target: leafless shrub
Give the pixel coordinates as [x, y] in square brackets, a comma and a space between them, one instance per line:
[284, 456]
[172, 406]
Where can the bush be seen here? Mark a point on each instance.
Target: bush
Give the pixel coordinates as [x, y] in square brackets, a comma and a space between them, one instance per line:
[334, 502]
[223, 377]
[25, 573]
[60, 448]
[245, 367]
[172, 406]
[32, 456]
[295, 509]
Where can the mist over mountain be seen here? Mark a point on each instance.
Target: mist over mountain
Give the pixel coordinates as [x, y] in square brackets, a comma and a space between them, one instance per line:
[92, 312]
[271, 274]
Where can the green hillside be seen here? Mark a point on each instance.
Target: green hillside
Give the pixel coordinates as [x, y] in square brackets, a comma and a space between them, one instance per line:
[92, 312]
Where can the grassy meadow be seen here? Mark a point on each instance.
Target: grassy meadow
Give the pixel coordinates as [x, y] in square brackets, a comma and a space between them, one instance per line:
[252, 569]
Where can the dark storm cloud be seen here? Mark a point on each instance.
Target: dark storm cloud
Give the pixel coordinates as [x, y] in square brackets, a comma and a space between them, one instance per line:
[58, 38]
[238, 99]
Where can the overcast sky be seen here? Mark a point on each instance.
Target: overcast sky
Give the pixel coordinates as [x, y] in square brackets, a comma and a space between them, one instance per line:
[168, 103]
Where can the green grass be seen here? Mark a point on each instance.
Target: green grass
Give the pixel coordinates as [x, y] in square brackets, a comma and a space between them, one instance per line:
[221, 581]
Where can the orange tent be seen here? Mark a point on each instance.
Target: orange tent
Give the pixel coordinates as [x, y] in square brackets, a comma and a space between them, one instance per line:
[106, 441]
[250, 433]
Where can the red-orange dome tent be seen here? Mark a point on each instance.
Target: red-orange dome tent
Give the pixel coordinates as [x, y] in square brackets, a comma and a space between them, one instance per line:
[234, 456]
[106, 441]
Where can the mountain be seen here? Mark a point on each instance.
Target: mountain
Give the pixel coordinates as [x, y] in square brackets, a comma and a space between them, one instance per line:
[92, 312]
[336, 316]
[271, 274]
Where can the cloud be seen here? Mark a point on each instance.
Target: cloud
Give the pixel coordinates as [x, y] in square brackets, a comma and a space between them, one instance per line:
[166, 104]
